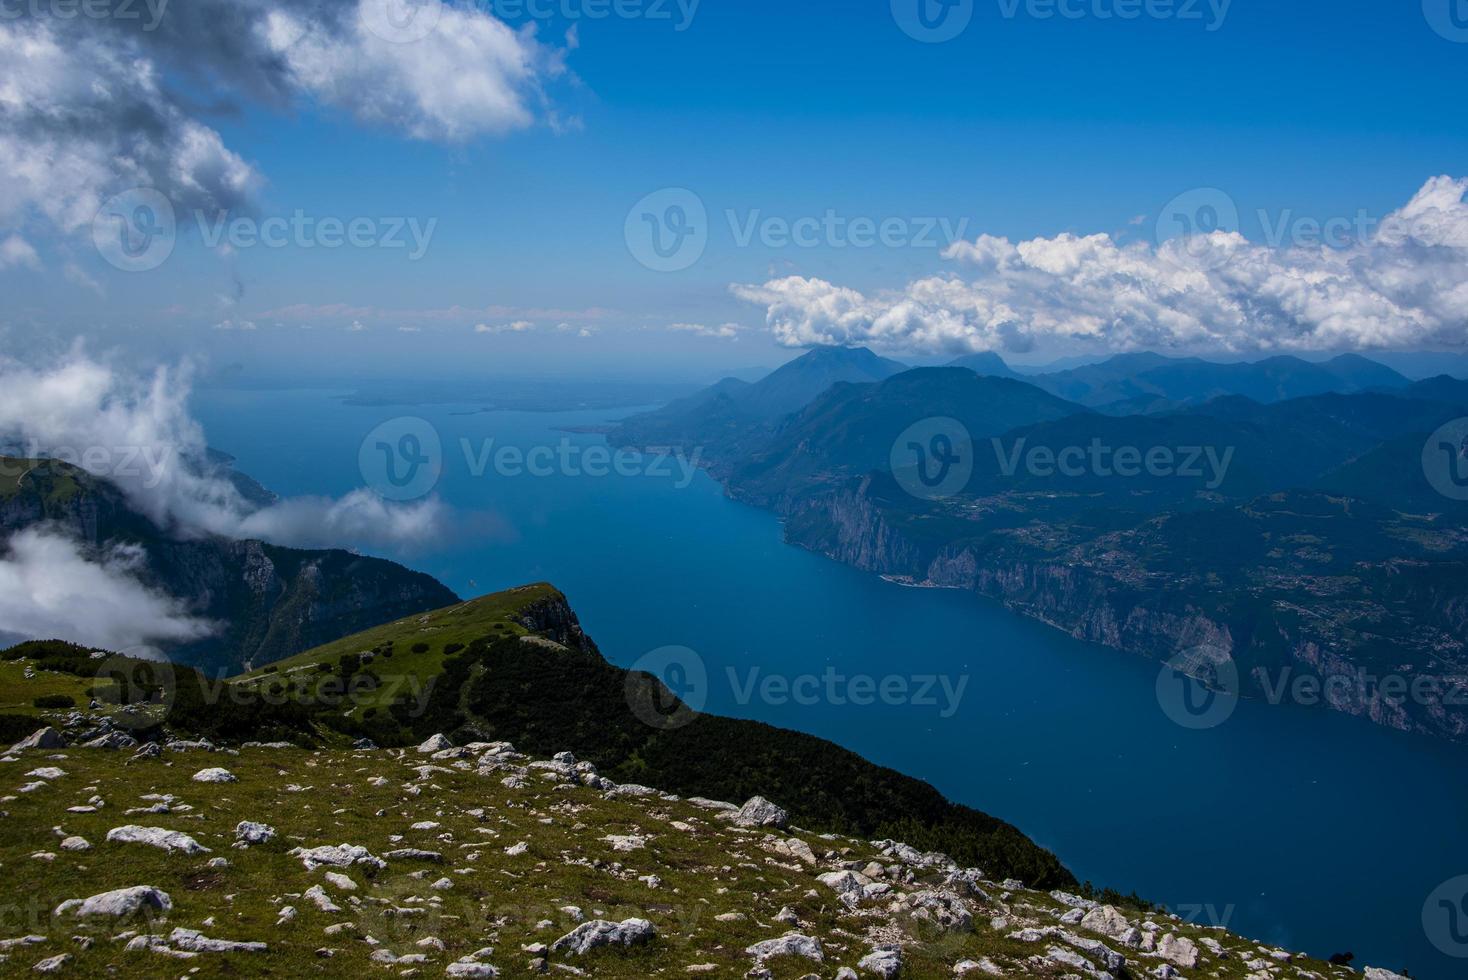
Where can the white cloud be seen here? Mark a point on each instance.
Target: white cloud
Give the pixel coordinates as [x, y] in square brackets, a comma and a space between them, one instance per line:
[83, 116]
[1405, 286]
[50, 590]
[138, 433]
[517, 326]
[471, 74]
[92, 107]
[723, 331]
[16, 251]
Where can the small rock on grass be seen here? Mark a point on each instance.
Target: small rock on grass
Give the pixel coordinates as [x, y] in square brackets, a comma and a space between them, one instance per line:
[215, 776]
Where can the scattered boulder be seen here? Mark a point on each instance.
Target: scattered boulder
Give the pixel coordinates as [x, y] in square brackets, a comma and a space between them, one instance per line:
[45, 738]
[599, 932]
[436, 743]
[885, 962]
[113, 741]
[168, 840]
[195, 942]
[120, 903]
[1177, 951]
[248, 832]
[469, 968]
[790, 944]
[338, 856]
[53, 964]
[1106, 920]
[215, 776]
[760, 812]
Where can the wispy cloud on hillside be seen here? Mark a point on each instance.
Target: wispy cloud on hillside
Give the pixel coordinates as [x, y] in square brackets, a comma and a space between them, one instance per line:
[138, 433]
[1403, 286]
[49, 588]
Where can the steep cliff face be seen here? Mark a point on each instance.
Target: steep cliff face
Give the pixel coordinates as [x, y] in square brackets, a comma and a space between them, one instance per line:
[1106, 592]
[554, 618]
[268, 602]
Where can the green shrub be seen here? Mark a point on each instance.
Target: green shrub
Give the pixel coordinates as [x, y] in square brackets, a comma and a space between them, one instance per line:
[420, 648]
[55, 701]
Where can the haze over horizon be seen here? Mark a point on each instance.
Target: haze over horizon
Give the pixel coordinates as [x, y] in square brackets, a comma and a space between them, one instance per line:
[505, 188]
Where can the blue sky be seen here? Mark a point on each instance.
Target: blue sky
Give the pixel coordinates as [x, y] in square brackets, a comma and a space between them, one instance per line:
[1022, 126]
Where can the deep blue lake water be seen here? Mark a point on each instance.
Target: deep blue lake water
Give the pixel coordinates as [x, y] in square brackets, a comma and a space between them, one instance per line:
[1293, 826]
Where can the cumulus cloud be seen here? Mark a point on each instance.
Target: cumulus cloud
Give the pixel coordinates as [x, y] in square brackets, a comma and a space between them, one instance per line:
[724, 330]
[90, 107]
[517, 326]
[16, 251]
[1405, 285]
[49, 589]
[137, 432]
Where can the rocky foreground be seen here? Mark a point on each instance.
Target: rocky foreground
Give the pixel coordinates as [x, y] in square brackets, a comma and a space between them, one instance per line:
[476, 861]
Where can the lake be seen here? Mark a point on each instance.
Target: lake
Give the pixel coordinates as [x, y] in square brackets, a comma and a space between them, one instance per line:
[1292, 826]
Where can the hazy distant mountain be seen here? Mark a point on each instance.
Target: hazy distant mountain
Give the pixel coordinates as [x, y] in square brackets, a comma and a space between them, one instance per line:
[851, 428]
[795, 385]
[1425, 364]
[1141, 379]
[733, 412]
[985, 363]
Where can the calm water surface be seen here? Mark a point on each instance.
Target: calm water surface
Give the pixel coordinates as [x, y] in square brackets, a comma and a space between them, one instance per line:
[1296, 827]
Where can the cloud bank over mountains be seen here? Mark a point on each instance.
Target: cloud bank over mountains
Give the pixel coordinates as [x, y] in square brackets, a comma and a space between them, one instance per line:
[91, 107]
[1403, 287]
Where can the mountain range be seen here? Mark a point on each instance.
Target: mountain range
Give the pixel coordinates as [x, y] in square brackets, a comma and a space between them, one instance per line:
[1281, 512]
